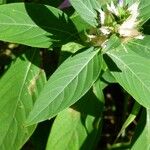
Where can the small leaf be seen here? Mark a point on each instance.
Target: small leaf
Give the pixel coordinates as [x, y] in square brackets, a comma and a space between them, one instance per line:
[67, 85]
[79, 23]
[98, 87]
[71, 47]
[35, 25]
[108, 77]
[20, 86]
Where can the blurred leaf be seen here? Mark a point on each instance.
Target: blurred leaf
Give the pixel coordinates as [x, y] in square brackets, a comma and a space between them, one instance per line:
[20, 86]
[130, 2]
[2, 2]
[141, 139]
[131, 71]
[77, 127]
[67, 85]
[22, 23]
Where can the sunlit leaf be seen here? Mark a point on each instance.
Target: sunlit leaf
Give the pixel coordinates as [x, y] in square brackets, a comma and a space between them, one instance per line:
[67, 85]
[87, 10]
[131, 71]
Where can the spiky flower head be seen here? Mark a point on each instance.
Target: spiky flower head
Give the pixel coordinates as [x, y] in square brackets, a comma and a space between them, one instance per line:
[117, 19]
[129, 28]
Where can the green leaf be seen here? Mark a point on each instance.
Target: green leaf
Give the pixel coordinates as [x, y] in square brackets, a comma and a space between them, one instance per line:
[108, 77]
[130, 2]
[86, 9]
[79, 23]
[35, 25]
[2, 2]
[98, 87]
[141, 139]
[77, 127]
[131, 118]
[67, 85]
[131, 72]
[112, 43]
[144, 11]
[71, 47]
[20, 86]
[141, 47]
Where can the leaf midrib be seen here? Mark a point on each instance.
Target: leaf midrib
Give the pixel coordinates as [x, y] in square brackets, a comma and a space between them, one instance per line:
[65, 86]
[35, 26]
[117, 58]
[21, 89]
[135, 43]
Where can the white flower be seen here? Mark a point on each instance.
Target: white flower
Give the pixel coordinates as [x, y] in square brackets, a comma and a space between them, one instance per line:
[105, 30]
[133, 9]
[129, 27]
[140, 37]
[113, 9]
[102, 17]
[91, 37]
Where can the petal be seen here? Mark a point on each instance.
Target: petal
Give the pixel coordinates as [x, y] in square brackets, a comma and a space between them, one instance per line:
[105, 30]
[112, 9]
[102, 17]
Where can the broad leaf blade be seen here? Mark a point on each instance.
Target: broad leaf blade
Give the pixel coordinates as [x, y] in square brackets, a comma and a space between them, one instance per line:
[77, 127]
[20, 87]
[67, 85]
[131, 72]
[34, 25]
[86, 9]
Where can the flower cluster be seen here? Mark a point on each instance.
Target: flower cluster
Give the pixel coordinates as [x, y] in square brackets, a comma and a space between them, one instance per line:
[120, 20]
